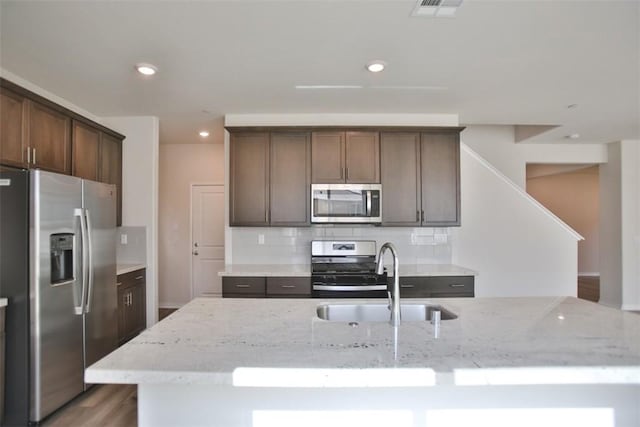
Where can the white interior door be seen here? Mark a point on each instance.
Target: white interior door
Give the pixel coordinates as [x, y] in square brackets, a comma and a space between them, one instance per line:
[207, 239]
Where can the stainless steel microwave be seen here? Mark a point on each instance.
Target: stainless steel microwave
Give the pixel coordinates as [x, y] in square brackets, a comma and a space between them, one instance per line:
[346, 203]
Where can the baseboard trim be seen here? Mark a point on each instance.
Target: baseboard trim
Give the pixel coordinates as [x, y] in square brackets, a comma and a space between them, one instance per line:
[170, 305]
[631, 307]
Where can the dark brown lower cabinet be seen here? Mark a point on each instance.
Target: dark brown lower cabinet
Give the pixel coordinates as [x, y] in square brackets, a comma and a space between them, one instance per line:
[266, 287]
[132, 306]
[288, 287]
[436, 287]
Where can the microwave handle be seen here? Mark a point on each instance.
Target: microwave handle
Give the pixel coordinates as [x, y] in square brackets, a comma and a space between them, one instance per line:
[368, 202]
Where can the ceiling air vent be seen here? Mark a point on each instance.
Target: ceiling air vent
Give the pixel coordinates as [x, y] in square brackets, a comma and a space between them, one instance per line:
[437, 8]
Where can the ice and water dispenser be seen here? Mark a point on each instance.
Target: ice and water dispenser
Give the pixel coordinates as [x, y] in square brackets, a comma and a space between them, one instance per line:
[62, 268]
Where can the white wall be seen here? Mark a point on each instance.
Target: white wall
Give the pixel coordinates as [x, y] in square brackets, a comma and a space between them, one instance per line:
[497, 145]
[620, 226]
[140, 191]
[180, 166]
[518, 247]
[573, 197]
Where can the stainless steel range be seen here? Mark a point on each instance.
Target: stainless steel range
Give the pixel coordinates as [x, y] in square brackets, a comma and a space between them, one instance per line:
[346, 269]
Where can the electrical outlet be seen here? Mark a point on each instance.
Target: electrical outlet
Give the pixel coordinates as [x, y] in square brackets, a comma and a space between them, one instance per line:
[123, 239]
[261, 239]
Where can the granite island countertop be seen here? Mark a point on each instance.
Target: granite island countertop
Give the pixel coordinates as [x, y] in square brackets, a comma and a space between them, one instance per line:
[128, 268]
[493, 341]
[304, 270]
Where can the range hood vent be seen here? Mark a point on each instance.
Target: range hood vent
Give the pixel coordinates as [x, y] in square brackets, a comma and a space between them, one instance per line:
[436, 8]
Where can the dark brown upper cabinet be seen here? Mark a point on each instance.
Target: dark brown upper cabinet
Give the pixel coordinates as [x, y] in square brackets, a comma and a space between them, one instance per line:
[13, 148]
[421, 178]
[97, 156]
[440, 169]
[37, 133]
[49, 137]
[400, 176]
[85, 149]
[110, 168]
[249, 179]
[345, 157]
[290, 178]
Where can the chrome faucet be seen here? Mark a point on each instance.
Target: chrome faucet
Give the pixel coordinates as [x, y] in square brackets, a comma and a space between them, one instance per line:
[395, 297]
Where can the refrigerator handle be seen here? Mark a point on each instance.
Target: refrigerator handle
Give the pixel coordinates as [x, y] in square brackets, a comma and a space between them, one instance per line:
[79, 310]
[89, 262]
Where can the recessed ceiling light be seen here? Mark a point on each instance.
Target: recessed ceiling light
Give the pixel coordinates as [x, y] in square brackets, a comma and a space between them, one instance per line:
[376, 66]
[146, 69]
[571, 106]
[573, 136]
[204, 133]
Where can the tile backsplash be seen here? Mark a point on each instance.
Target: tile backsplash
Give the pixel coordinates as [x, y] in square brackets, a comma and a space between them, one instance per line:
[293, 245]
[134, 251]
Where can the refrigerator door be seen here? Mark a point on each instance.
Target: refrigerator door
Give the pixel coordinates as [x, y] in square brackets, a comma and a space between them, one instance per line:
[56, 327]
[14, 285]
[101, 306]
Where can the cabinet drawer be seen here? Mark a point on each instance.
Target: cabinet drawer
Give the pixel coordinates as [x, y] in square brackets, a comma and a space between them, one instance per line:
[291, 286]
[451, 286]
[243, 287]
[132, 278]
[436, 287]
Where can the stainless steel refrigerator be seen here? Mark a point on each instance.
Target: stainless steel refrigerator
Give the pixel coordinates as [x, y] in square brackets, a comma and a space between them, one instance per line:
[69, 298]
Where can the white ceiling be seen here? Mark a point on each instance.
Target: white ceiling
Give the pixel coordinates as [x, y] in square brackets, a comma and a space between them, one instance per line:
[501, 62]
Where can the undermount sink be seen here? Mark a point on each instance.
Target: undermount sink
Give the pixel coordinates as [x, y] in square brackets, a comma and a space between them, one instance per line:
[380, 312]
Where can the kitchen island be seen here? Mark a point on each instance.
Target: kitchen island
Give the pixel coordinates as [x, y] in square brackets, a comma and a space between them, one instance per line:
[274, 362]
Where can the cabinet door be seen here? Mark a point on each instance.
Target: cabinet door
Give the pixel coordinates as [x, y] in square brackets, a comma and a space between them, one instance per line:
[362, 157]
[440, 159]
[327, 157]
[290, 179]
[13, 150]
[249, 179]
[400, 175]
[123, 302]
[49, 137]
[85, 147]
[110, 168]
[138, 308]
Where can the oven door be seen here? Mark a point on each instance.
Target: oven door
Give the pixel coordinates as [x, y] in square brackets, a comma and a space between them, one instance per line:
[349, 286]
[346, 203]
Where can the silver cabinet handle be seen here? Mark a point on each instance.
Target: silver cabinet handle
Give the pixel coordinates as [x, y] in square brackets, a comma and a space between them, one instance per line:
[456, 285]
[119, 284]
[242, 286]
[34, 156]
[288, 286]
[346, 173]
[139, 277]
[407, 286]
[28, 155]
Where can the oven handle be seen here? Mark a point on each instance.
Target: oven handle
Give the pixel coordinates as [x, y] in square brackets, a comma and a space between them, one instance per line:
[349, 288]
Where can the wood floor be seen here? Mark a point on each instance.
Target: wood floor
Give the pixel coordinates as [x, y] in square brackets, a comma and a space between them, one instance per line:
[112, 405]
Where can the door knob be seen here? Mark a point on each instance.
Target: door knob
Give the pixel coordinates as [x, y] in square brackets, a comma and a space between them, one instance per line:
[195, 244]
[195, 253]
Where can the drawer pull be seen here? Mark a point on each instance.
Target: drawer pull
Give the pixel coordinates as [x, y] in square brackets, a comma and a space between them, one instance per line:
[456, 285]
[139, 277]
[288, 286]
[119, 283]
[242, 286]
[407, 286]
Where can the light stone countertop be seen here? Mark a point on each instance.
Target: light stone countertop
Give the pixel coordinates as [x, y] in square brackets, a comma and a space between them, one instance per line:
[128, 268]
[3, 302]
[303, 270]
[541, 340]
